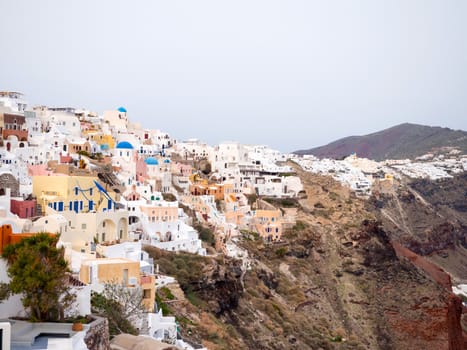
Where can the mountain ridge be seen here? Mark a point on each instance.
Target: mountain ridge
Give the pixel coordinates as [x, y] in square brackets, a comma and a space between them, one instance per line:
[401, 141]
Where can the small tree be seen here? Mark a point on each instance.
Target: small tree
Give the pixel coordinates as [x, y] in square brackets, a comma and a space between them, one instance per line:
[122, 306]
[39, 271]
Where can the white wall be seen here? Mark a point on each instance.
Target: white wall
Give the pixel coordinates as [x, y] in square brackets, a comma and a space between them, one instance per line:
[82, 304]
[12, 306]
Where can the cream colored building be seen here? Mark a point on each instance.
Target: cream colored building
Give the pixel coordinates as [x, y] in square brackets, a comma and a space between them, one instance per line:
[104, 227]
[117, 119]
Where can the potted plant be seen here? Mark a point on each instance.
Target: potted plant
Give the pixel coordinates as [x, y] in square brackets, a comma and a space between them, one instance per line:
[77, 326]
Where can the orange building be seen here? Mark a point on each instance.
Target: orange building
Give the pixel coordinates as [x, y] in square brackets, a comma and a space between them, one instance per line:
[8, 237]
[219, 191]
[268, 223]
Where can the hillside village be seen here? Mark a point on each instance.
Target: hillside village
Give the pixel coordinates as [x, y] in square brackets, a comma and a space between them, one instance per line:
[110, 187]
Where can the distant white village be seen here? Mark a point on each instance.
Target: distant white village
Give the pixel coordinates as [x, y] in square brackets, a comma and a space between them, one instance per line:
[109, 187]
[359, 174]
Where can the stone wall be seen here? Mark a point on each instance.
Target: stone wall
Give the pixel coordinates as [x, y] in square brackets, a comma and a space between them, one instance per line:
[97, 336]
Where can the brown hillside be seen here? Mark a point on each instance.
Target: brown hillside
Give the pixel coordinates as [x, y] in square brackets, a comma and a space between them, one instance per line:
[399, 142]
[336, 282]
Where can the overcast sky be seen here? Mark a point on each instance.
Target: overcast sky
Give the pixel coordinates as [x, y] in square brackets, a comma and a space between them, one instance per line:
[291, 74]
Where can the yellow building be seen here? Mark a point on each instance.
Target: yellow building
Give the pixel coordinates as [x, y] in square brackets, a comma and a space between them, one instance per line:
[105, 141]
[73, 193]
[122, 271]
[148, 283]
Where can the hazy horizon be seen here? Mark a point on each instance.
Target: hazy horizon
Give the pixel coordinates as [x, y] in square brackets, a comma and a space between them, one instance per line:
[292, 75]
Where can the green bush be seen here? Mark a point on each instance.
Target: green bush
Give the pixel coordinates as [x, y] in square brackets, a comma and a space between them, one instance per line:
[205, 234]
[281, 252]
[300, 226]
[283, 202]
[162, 305]
[167, 293]
[337, 339]
[169, 197]
[185, 267]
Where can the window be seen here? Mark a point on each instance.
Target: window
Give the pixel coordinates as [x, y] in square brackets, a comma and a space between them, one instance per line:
[146, 293]
[83, 226]
[125, 277]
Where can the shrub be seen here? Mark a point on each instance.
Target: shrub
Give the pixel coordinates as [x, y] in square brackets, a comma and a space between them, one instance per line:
[281, 252]
[167, 293]
[39, 271]
[169, 197]
[205, 234]
[300, 226]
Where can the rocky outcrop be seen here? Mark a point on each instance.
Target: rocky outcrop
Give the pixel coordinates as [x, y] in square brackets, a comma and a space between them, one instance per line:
[457, 339]
[97, 337]
[454, 303]
[435, 272]
[220, 286]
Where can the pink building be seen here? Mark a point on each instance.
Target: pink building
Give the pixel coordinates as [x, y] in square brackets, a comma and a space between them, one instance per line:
[39, 170]
[141, 169]
[181, 169]
[23, 208]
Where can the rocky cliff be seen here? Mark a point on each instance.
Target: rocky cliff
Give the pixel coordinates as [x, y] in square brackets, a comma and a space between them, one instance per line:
[340, 280]
[429, 218]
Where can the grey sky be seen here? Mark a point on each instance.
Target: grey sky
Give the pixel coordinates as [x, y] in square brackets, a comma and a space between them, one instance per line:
[290, 74]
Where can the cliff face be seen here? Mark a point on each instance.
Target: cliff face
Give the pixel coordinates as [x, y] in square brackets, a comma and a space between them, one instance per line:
[340, 280]
[429, 218]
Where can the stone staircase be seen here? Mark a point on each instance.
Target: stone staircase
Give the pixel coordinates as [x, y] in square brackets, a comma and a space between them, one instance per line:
[144, 330]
